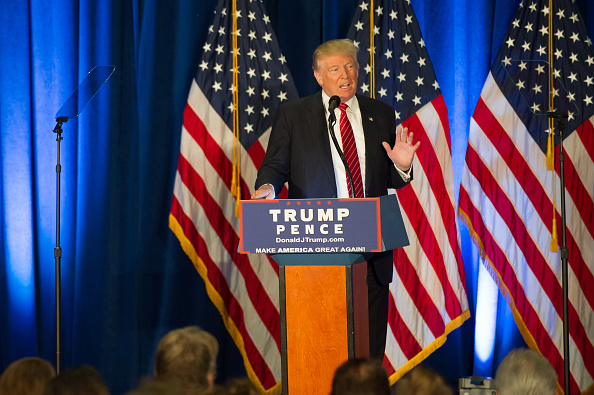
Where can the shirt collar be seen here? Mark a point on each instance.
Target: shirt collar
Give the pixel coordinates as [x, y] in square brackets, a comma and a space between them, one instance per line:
[353, 103]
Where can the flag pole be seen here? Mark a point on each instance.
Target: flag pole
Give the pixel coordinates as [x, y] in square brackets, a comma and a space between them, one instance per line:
[371, 52]
[551, 166]
[235, 182]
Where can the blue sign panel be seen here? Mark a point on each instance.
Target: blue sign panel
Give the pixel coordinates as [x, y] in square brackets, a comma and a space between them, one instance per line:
[310, 226]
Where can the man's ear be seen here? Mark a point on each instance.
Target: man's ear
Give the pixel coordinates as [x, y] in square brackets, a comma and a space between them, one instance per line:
[318, 78]
[210, 377]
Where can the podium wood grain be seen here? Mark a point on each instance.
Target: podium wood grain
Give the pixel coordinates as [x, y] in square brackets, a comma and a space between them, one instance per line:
[316, 314]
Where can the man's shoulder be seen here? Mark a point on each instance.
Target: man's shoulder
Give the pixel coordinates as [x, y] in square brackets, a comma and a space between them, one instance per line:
[368, 102]
[312, 102]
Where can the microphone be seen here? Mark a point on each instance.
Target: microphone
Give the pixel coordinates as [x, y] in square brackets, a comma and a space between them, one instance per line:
[332, 105]
[334, 102]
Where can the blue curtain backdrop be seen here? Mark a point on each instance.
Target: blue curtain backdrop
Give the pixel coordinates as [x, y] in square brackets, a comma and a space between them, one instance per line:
[125, 279]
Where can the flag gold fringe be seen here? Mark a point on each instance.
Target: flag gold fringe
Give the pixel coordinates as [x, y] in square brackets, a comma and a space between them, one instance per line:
[417, 359]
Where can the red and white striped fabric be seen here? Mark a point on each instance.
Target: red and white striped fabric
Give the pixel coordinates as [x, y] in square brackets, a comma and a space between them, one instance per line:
[507, 198]
[428, 293]
[244, 288]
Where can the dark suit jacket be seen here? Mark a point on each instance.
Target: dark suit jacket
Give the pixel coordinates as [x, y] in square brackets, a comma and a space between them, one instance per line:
[299, 153]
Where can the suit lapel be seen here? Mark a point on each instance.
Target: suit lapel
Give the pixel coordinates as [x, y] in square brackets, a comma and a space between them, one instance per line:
[318, 131]
[368, 119]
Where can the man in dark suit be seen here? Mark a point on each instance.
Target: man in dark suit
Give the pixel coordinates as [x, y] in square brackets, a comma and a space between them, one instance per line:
[300, 153]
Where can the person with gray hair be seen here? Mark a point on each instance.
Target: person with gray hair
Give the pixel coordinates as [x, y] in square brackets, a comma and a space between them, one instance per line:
[525, 372]
[188, 356]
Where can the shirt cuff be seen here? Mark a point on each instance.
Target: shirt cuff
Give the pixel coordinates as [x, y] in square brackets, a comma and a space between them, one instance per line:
[273, 186]
[404, 174]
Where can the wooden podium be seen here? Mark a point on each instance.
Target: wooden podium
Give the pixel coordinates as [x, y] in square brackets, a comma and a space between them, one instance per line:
[323, 290]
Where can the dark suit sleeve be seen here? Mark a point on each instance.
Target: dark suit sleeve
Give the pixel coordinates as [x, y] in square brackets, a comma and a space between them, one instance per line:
[389, 135]
[276, 163]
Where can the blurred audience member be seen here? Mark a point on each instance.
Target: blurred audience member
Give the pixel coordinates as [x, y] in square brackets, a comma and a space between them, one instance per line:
[524, 371]
[361, 377]
[236, 386]
[26, 376]
[152, 386]
[422, 381]
[188, 356]
[83, 379]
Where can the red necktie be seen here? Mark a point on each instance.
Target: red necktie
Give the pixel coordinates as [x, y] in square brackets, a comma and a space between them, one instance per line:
[350, 152]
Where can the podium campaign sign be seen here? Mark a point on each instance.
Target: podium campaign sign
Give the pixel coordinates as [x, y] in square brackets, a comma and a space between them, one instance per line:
[320, 226]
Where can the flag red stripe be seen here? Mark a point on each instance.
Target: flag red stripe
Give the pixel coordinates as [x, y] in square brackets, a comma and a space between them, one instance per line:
[388, 366]
[586, 131]
[575, 188]
[499, 261]
[414, 210]
[537, 263]
[406, 340]
[256, 153]
[537, 195]
[265, 308]
[418, 294]
[442, 111]
[218, 281]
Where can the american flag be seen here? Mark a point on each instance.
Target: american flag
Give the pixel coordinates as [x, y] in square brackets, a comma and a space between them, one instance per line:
[225, 135]
[509, 199]
[428, 292]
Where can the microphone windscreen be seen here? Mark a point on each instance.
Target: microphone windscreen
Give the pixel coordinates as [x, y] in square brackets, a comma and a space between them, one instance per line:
[334, 102]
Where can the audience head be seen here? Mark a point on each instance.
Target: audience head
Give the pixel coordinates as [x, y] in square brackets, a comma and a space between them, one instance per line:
[188, 355]
[236, 386]
[524, 371]
[422, 380]
[26, 376]
[152, 386]
[361, 377]
[83, 379]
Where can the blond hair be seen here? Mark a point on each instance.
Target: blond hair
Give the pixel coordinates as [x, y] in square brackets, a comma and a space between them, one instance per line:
[335, 47]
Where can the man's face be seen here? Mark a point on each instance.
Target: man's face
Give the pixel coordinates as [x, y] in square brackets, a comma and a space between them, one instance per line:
[337, 75]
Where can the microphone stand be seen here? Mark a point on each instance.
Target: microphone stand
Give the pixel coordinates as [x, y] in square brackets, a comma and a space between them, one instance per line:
[564, 252]
[331, 123]
[58, 249]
